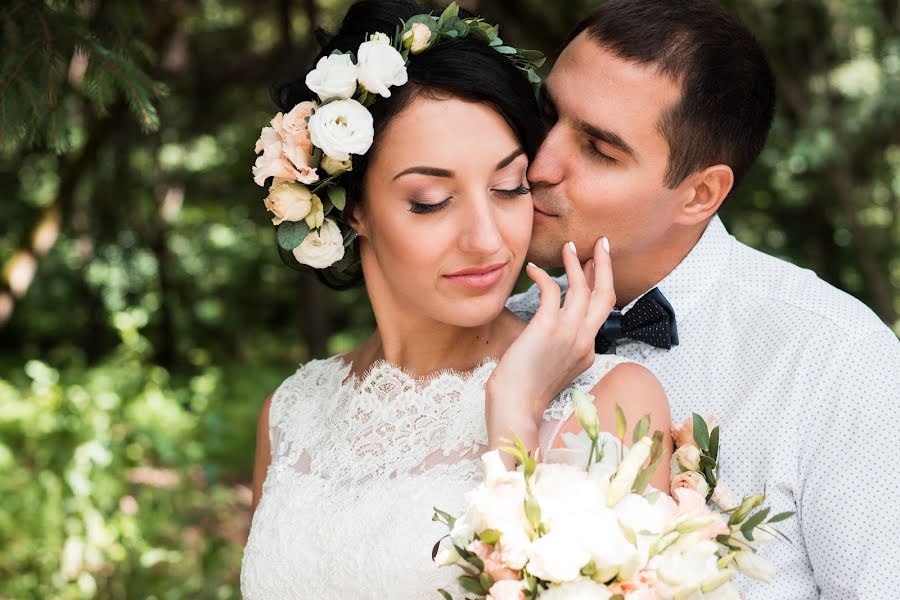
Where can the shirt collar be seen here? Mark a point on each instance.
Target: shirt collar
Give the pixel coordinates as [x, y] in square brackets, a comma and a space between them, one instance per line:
[688, 283]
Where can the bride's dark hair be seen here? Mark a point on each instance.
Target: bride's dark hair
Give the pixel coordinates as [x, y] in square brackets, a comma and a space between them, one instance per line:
[464, 68]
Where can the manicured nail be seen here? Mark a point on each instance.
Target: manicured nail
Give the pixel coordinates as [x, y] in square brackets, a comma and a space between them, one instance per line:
[571, 246]
[531, 264]
[605, 243]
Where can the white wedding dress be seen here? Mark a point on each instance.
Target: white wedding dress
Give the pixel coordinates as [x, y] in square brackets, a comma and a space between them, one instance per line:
[358, 465]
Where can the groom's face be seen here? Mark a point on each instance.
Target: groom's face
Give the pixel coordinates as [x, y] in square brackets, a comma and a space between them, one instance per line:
[601, 169]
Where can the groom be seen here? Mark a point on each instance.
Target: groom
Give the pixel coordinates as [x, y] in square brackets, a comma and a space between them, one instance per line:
[656, 110]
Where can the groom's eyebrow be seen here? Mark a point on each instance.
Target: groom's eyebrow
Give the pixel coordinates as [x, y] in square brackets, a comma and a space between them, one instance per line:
[605, 135]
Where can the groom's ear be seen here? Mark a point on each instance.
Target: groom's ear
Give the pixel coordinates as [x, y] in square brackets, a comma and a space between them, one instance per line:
[704, 193]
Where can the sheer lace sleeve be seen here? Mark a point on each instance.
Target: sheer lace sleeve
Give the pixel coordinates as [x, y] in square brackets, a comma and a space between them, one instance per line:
[560, 408]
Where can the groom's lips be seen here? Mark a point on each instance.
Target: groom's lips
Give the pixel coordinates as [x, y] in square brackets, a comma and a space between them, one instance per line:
[539, 214]
[478, 277]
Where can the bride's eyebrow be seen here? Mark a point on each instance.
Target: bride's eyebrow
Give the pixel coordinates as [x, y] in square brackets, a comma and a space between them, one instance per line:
[436, 172]
[508, 160]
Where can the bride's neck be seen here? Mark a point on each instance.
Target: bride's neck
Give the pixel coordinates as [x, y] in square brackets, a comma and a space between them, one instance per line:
[423, 347]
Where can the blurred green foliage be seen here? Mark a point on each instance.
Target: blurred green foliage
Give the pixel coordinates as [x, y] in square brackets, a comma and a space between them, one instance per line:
[145, 315]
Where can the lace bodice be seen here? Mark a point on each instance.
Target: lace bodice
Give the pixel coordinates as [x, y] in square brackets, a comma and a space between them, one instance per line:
[358, 463]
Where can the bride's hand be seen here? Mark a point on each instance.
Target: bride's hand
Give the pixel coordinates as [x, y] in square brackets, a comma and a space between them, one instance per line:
[555, 347]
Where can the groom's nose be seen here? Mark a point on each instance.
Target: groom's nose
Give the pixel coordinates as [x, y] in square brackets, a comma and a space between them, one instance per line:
[547, 167]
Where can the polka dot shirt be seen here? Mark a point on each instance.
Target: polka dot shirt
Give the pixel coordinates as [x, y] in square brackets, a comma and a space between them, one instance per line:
[805, 383]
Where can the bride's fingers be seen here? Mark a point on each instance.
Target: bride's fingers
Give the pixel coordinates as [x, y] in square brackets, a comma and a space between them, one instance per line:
[550, 292]
[578, 292]
[588, 269]
[603, 294]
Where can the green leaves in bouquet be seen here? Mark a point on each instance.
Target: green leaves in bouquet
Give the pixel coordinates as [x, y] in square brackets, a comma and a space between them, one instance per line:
[656, 453]
[621, 424]
[523, 457]
[443, 517]
[708, 443]
[641, 430]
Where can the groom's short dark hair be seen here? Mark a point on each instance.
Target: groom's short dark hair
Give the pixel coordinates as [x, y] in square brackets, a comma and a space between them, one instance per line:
[728, 91]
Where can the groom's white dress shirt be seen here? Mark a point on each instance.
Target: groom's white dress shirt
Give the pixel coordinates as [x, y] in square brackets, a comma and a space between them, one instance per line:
[805, 383]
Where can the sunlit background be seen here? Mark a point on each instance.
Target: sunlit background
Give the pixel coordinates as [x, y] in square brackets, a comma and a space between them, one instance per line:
[145, 314]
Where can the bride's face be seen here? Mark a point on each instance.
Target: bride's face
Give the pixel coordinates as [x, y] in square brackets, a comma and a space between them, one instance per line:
[447, 217]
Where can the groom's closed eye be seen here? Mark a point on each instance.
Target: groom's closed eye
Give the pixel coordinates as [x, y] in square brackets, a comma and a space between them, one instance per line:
[548, 109]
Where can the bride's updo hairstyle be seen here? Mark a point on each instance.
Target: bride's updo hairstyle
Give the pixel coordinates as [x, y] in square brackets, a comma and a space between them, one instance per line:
[463, 68]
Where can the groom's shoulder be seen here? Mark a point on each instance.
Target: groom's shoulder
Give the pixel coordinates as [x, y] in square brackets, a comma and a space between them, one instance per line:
[797, 295]
[524, 305]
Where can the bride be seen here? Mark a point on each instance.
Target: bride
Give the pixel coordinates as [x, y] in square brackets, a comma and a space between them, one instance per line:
[354, 451]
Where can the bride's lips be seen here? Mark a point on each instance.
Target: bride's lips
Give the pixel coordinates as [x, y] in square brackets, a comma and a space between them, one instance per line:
[478, 277]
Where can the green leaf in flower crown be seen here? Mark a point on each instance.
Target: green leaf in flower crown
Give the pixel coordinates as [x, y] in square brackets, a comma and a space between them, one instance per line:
[533, 77]
[479, 34]
[451, 34]
[533, 56]
[701, 432]
[461, 28]
[450, 12]
[338, 197]
[496, 42]
[505, 49]
[291, 234]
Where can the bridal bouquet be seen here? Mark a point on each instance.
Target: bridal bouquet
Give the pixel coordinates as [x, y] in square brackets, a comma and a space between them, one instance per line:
[588, 526]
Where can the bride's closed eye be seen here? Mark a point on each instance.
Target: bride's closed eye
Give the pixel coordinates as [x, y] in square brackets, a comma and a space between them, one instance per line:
[522, 190]
[423, 208]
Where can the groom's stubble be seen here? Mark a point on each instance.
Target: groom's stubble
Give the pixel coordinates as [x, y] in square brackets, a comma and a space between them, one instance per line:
[601, 170]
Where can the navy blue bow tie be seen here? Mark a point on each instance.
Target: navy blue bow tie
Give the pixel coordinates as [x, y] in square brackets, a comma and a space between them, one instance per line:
[651, 320]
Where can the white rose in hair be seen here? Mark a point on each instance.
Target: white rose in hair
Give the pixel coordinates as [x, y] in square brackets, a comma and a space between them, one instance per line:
[333, 167]
[321, 248]
[380, 66]
[333, 77]
[342, 128]
[288, 201]
[416, 39]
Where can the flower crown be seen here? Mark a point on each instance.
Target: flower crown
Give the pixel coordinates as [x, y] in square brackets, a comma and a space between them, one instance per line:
[306, 151]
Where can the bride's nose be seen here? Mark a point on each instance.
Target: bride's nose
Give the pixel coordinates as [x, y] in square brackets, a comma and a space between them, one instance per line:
[480, 232]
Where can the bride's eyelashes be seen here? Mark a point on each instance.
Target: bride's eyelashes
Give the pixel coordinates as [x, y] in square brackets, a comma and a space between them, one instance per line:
[424, 208]
[522, 190]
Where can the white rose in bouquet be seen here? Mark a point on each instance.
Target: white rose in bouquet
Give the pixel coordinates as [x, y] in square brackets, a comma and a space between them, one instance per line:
[380, 66]
[753, 565]
[685, 566]
[558, 556]
[342, 128]
[322, 248]
[580, 589]
[333, 77]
